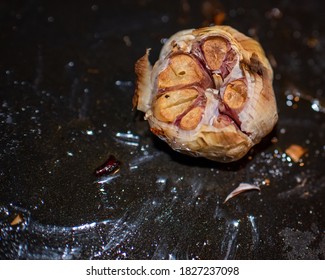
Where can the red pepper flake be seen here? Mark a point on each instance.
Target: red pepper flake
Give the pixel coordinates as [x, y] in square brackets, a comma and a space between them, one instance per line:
[109, 167]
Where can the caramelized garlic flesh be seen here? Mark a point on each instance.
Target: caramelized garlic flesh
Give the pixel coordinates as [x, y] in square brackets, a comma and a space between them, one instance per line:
[209, 94]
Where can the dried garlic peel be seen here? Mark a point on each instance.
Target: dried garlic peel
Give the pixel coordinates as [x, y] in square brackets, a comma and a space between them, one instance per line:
[243, 187]
[210, 93]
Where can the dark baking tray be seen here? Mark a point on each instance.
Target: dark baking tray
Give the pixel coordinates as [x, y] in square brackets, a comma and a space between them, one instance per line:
[67, 81]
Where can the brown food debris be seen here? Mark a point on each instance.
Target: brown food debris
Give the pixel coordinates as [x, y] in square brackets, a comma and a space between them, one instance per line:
[267, 182]
[93, 71]
[274, 140]
[295, 152]
[17, 220]
[313, 42]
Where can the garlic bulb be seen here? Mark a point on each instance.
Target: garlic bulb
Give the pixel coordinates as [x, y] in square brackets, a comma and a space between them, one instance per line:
[209, 94]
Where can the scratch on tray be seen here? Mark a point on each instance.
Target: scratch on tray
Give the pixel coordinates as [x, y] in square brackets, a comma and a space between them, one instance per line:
[142, 160]
[255, 233]
[127, 138]
[229, 242]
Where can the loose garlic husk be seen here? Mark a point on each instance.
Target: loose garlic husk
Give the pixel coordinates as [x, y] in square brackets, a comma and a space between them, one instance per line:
[210, 93]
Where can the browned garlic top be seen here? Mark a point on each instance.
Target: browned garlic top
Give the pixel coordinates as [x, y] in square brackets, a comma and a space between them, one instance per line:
[210, 93]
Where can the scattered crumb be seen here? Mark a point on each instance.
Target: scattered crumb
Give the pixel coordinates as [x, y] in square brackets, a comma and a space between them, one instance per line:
[17, 220]
[266, 182]
[312, 42]
[93, 71]
[274, 140]
[295, 152]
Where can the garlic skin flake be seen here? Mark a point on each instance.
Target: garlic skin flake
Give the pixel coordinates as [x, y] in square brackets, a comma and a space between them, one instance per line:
[209, 94]
[243, 187]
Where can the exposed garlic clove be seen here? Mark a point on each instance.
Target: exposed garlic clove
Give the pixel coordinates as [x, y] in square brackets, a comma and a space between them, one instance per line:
[210, 93]
[191, 119]
[173, 103]
[182, 70]
[235, 94]
[215, 51]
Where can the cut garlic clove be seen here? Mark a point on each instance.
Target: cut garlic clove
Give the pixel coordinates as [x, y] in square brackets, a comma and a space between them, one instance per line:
[191, 119]
[181, 70]
[173, 103]
[235, 94]
[214, 51]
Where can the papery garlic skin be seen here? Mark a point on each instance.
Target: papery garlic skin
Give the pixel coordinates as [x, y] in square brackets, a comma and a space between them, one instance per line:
[209, 94]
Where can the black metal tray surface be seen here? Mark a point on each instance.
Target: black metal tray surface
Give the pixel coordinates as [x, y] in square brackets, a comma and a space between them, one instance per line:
[66, 85]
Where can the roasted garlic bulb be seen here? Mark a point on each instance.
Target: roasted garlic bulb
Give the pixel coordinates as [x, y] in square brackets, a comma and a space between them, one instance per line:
[210, 93]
